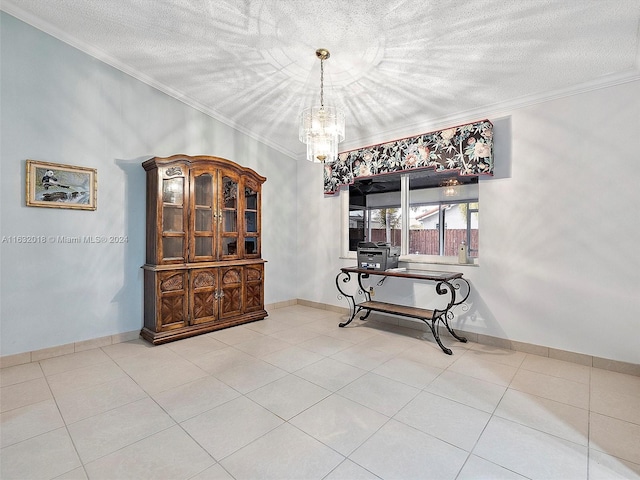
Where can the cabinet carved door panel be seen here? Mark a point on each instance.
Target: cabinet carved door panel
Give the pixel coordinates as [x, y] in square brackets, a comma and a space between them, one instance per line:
[172, 300]
[231, 291]
[254, 287]
[204, 295]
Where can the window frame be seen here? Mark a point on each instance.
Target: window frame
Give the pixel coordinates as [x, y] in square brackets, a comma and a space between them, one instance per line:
[468, 194]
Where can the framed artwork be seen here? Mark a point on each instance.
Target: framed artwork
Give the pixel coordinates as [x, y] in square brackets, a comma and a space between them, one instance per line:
[61, 186]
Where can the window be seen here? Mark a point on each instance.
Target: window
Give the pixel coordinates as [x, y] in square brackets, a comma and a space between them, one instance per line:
[440, 228]
[437, 220]
[375, 225]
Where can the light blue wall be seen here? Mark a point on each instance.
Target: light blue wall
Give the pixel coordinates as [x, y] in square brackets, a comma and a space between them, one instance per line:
[61, 105]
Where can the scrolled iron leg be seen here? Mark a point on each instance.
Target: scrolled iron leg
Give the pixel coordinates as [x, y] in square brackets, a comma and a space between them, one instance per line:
[451, 331]
[436, 334]
[459, 290]
[344, 324]
[462, 291]
[354, 309]
[355, 313]
[350, 299]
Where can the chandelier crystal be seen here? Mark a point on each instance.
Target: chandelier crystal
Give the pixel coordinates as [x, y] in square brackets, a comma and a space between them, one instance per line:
[322, 127]
[450, 187]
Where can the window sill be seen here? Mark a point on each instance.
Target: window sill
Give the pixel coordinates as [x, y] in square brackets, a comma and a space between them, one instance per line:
[434, 260]
[417, 260]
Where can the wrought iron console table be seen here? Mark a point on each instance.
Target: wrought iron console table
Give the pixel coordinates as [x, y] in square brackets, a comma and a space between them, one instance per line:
[450, 283]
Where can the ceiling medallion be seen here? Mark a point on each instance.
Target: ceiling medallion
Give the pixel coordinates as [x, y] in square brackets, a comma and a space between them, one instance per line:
[322, 126]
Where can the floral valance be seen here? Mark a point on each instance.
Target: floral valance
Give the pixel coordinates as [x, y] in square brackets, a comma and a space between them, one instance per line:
[466, 148]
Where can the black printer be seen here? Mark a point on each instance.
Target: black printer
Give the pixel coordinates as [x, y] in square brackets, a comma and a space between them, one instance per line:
[377, 256]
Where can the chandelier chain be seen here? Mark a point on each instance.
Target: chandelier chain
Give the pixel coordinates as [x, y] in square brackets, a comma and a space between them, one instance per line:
[321, 82]
[321, 128]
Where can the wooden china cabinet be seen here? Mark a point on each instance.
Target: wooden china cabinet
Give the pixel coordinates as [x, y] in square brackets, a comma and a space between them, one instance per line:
[203, 269]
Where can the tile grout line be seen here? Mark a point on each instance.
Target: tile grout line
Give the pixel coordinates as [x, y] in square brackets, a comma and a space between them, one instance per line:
[176, 423]
[492, 414]
[66, 427]
[589, 423]
[463, 354]
[245, 395]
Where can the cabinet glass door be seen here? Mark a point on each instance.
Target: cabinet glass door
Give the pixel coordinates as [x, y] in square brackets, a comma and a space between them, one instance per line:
[204, 215]
[173, 228]
[229, 212]
[251, 222]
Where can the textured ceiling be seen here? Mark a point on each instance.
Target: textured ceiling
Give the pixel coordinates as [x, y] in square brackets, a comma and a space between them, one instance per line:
[396, 65]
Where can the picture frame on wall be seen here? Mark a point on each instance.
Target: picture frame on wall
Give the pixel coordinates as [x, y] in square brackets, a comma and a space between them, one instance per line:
[54, 185]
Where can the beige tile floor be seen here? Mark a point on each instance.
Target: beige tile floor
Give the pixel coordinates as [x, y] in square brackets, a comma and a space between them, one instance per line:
[294, 396]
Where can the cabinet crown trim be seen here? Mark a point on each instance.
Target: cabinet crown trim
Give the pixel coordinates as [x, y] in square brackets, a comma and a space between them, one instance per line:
[205, 160]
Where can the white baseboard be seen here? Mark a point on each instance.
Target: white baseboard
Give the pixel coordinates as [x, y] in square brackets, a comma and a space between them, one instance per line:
[579, 358]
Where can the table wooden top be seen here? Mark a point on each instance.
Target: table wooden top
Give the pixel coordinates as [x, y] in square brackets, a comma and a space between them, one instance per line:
[407, 273]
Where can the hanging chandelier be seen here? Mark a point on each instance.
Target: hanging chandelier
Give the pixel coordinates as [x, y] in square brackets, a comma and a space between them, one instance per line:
[322, 126]
[450, 187]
